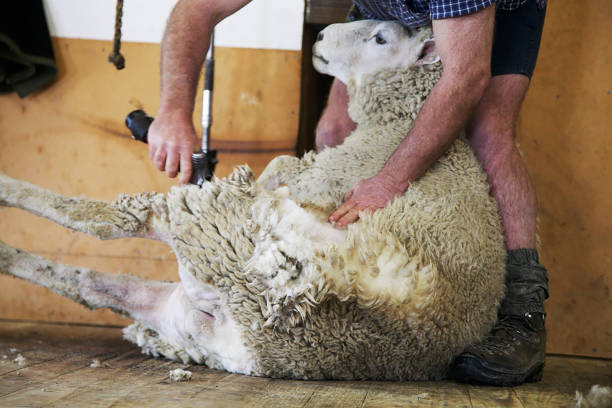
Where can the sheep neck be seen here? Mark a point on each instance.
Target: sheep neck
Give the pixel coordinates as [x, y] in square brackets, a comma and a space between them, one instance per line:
[391, 98]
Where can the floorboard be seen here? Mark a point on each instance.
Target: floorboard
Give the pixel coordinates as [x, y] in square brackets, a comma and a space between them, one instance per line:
[57, 373]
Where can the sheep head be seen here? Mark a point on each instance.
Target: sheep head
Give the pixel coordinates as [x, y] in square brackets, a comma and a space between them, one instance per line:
[353, 50]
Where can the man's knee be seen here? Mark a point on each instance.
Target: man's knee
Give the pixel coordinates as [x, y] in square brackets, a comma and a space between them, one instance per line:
[491, 130]
[493, 143]
[329, 134]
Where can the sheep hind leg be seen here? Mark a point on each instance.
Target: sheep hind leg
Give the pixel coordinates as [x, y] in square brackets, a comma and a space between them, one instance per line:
[125, 294]
[166, 321]
[141, 215]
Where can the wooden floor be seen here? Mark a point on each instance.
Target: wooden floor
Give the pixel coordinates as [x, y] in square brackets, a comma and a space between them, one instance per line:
[57, 372]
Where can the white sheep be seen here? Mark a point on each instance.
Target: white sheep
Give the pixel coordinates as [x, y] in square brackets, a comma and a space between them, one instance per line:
[268, 287]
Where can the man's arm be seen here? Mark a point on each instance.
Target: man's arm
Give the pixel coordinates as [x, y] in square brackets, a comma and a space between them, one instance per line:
[172, 137]
[464, 45]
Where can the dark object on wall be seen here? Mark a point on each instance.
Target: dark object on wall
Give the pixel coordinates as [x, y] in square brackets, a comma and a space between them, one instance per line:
[26, 55]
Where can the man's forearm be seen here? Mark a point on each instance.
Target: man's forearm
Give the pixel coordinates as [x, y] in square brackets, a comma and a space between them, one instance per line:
[184, 46]
[439, 122]
[172, 137]
[464, 46]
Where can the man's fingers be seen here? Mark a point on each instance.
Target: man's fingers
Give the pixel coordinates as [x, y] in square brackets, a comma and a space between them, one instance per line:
[339, 213]
[349, 217]
[347, 196]
[185, 168]
[152, 151]
[159, 159]
[172, 161]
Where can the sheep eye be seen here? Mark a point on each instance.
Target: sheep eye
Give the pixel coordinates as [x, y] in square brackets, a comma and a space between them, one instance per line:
[379, 39]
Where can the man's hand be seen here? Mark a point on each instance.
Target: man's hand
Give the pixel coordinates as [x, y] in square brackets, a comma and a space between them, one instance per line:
[367, 195]
[172, 140]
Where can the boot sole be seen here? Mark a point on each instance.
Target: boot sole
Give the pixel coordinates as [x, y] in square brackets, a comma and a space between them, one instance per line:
[473, 372]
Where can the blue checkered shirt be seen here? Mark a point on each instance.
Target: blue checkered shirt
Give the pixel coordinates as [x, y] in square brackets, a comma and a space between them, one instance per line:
[415, 13]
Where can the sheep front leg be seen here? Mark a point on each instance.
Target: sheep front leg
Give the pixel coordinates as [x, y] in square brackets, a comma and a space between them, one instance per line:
[141, 215]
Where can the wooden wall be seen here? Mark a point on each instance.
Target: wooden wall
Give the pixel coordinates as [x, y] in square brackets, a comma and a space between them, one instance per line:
[565, 133]
[71, 139]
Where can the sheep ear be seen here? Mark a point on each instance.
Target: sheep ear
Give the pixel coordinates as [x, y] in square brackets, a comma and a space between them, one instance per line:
[428, 55]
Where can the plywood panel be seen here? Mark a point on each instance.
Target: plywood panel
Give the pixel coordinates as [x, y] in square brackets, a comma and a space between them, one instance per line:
[246, 117]
[565, 131]
[71, 139]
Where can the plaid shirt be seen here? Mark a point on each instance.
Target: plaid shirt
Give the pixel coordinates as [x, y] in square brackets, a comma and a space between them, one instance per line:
[415, 13]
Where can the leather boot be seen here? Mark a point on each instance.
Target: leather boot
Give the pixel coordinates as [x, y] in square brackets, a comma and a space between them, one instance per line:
[513, 352]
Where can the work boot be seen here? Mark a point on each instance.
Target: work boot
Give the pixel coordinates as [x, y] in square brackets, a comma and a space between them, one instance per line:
[513, 352]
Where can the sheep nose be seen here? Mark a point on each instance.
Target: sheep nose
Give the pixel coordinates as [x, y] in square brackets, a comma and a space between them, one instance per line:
[320, 36]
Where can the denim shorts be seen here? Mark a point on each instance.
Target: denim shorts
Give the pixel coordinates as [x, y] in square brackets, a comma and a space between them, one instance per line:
[516, 40]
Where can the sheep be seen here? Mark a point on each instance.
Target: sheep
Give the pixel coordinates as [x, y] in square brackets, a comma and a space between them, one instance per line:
[267, 286]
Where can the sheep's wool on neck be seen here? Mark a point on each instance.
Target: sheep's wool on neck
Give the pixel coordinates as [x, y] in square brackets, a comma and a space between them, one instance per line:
[391, 97]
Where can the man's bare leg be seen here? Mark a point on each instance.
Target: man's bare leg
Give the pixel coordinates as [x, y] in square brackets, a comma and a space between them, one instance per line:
[335, 123]
[491, 132]
[513, 352]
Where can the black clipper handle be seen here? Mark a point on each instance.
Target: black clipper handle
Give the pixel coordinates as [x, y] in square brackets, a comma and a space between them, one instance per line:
[203, 163]
[139, 122]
